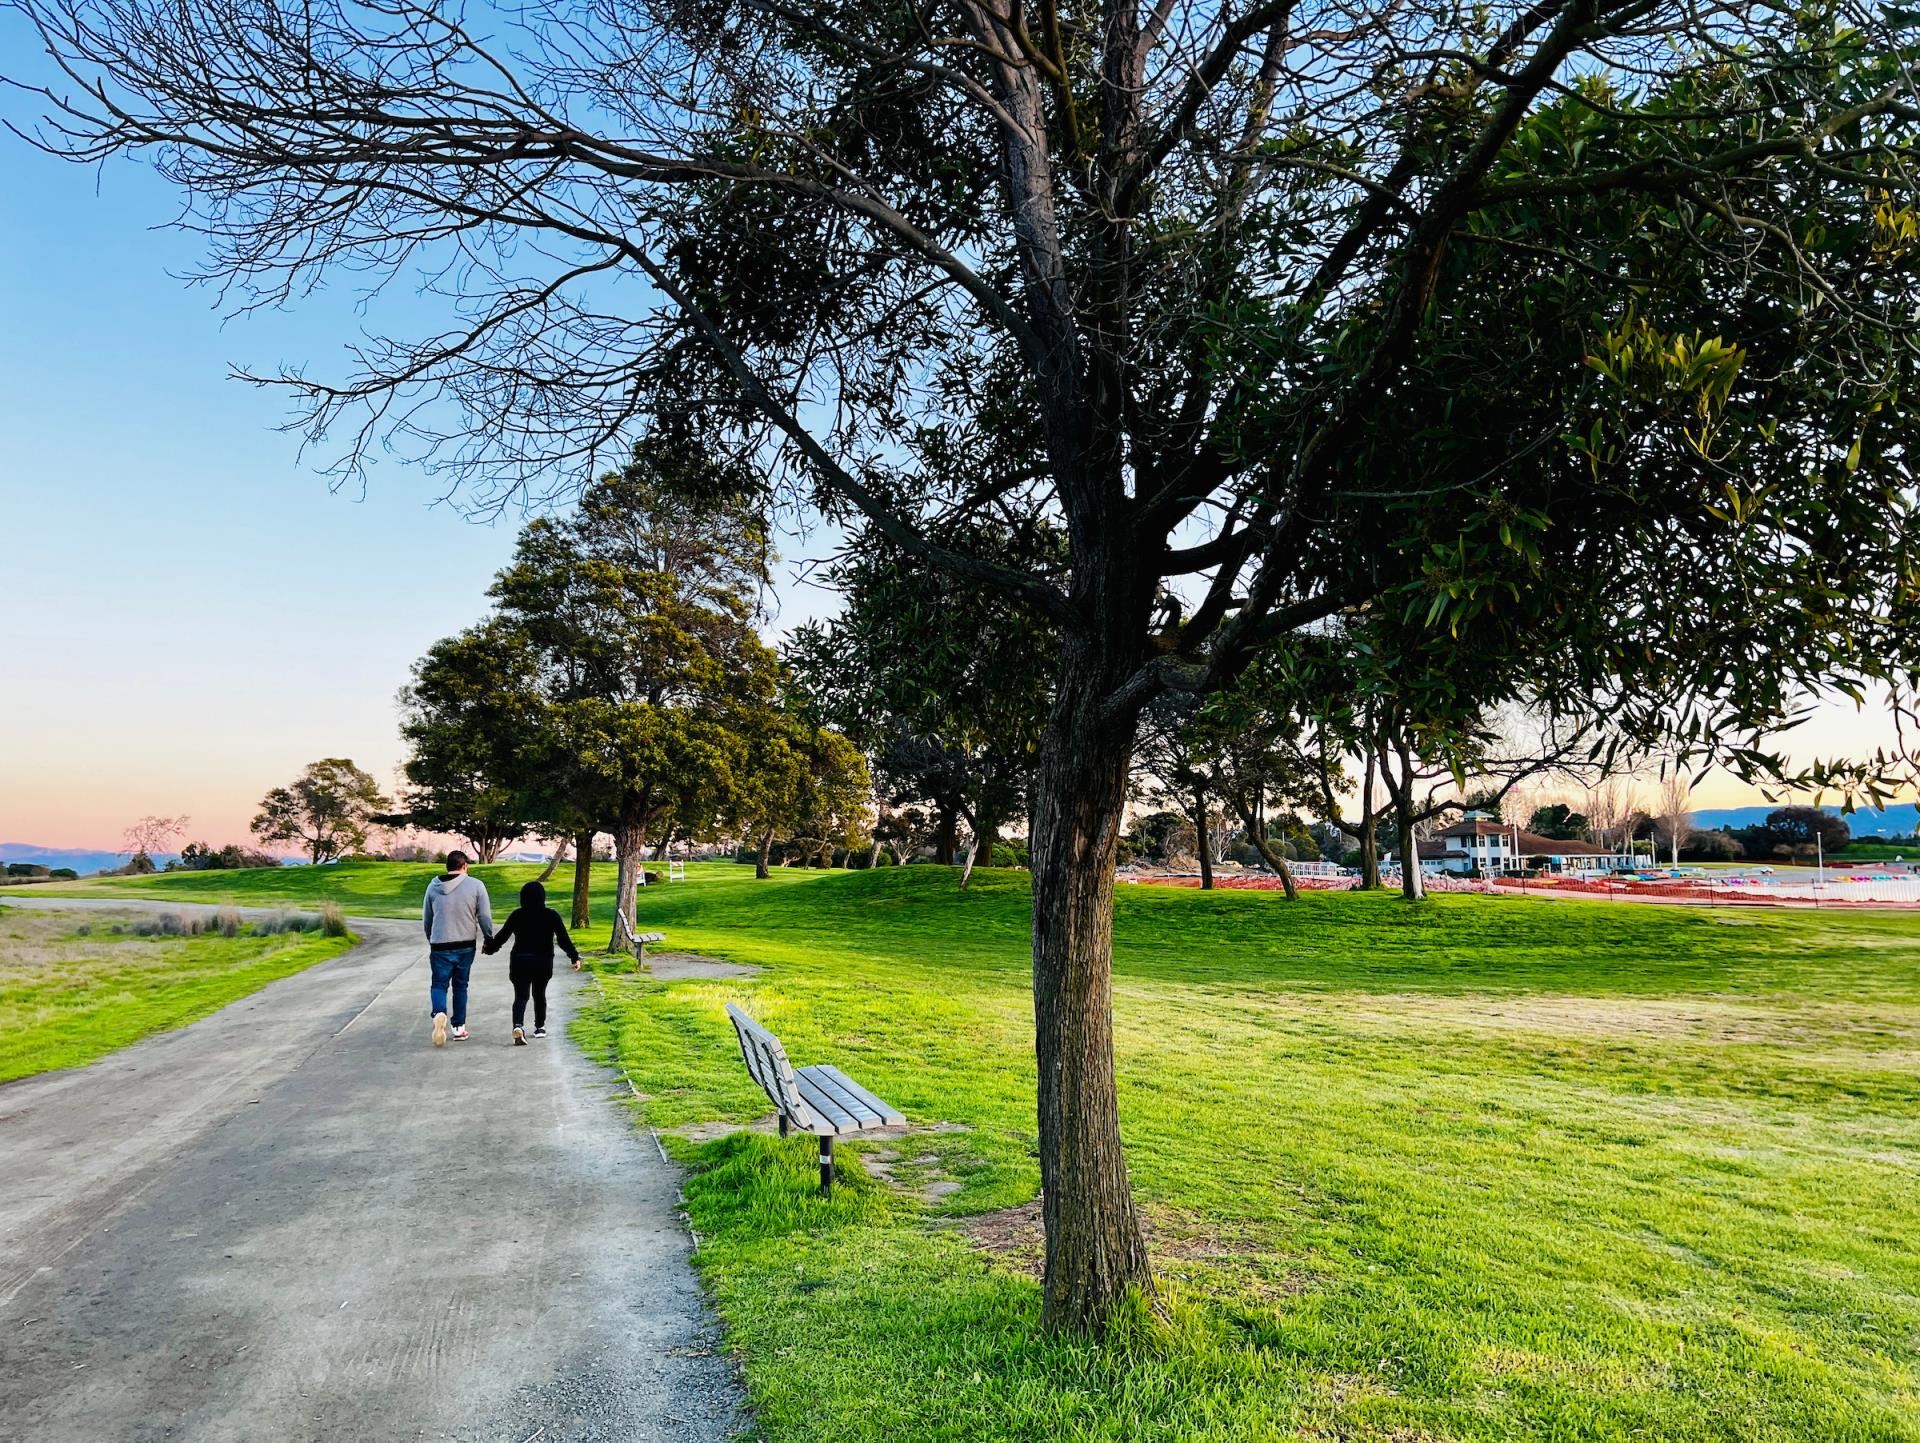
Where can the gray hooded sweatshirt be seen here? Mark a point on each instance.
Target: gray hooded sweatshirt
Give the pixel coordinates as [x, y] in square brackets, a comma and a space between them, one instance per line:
[457, 912]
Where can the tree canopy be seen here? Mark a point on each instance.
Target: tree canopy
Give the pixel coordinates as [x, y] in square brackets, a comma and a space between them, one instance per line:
[637, 612]
[467, 718]
[328, 809]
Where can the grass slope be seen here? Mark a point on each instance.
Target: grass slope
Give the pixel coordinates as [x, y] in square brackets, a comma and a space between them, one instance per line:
[1479, 1169]
[70, 996]
[363, 889]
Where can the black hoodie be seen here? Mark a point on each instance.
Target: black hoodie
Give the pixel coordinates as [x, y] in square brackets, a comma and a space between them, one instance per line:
[535, 928]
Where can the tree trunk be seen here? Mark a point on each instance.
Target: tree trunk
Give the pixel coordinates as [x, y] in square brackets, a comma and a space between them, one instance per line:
[1202, 840]
[553, 862]
[485, 851]
[630, 852]
[582, 879]
[966, 871]
[1095, 1250]
[1275, 859]
[1370, 852]
[946, 838]
[1411, 886]
[660, 851]
[766, 850]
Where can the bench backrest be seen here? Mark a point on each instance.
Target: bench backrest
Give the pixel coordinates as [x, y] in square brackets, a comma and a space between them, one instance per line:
[767, 1063]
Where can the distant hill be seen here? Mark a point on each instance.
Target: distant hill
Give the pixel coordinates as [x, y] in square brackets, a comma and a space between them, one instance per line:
[1901, 820]
[80, 859]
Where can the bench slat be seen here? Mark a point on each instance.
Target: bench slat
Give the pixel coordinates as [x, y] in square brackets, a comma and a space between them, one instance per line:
[889, 1116]
[823, 1078]
[767, 1065]
[831, 1107]
[833, 1117]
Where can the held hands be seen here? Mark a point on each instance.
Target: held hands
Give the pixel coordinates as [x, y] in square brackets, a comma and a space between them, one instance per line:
[576, 964]
[490, 946]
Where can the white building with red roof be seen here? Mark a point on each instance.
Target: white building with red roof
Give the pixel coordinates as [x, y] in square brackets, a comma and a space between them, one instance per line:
[1480, 843]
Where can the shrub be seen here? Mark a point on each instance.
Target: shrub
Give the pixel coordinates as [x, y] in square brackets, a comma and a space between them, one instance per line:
[200, 857]
[333, 922]
[85, 929]
[277, 922]
[170, 924]
[64, 874]
[227, 921]
[28, 869]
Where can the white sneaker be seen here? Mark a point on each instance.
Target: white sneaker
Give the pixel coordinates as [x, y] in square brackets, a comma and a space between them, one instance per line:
[459, 1034]
[519, 1037]
[439, 1029]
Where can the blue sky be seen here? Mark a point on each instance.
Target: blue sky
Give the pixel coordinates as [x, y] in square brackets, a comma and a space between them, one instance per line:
[194, 615]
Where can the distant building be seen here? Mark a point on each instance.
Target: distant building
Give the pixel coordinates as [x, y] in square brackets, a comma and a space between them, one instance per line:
[1478, 842]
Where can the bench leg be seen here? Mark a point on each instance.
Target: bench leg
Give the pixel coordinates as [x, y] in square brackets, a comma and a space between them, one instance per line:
[826, 1165]
[783, 1124]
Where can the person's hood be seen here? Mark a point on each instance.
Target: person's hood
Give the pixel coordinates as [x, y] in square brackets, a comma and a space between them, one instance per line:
[447, 882]
[533, 896]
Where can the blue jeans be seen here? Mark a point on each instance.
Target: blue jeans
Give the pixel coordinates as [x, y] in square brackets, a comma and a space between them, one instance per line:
[451, 964]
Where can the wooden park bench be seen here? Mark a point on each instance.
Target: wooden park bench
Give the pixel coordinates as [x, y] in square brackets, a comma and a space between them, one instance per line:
[821, 1100]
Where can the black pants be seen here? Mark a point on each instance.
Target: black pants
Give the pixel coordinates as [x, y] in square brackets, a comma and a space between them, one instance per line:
[530, 981]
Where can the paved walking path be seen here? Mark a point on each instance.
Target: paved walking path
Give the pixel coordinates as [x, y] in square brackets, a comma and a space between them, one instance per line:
[296, 1220]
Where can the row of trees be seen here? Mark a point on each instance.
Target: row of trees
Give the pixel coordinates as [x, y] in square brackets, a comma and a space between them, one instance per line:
[1418, 347]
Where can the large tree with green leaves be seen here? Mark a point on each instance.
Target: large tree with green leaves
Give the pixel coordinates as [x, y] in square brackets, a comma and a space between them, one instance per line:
[946, 684]
[328, 809]
[637, 611]
[1491, 316]
[800, 781]
[467, 718]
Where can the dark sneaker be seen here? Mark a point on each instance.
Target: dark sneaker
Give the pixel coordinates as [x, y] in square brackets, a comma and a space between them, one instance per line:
[539, 1032]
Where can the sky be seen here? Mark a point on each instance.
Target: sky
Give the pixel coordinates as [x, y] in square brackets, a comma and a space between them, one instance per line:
[191, 614]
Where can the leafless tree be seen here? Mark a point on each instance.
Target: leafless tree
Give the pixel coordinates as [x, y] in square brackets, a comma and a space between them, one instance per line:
[1610, 806]
[153, 835]
[1673, 817]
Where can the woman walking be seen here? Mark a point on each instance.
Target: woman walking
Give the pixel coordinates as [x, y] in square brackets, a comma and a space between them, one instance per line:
[535, 928]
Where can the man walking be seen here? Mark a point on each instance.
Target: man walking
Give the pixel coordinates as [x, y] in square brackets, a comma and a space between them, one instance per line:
[457, 915]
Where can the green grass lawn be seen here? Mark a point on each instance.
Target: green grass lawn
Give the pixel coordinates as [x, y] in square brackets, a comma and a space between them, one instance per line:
[1476, 1169]
[1874, 851]
[72, 989]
